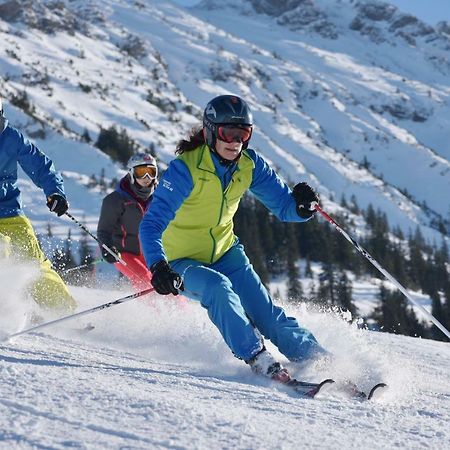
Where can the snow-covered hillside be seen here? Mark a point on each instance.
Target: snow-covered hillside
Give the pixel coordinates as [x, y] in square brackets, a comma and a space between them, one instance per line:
[156, 374]
[351, 96]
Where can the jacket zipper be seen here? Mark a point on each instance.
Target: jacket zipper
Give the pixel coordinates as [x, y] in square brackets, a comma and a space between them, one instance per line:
[218, 222]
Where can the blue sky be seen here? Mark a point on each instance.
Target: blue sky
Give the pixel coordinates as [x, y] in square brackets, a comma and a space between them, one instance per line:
[431, 11]
[186, 2]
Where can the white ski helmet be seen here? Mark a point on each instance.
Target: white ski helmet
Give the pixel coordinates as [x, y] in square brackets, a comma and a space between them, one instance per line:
[144, 160]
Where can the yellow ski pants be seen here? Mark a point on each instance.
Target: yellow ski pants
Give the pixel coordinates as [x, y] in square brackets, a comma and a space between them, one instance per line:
[17, 238]
[5, 246]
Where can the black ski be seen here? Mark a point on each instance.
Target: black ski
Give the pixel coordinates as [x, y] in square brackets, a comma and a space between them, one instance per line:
[310, 390]
[355, 392]
[375, 389]
[306, 389]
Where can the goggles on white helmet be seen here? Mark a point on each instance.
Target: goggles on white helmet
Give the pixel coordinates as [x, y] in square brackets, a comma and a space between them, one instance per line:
[145, 171]
[143, 165]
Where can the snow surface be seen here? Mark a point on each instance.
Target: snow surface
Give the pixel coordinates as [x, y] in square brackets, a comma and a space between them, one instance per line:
[155, 373]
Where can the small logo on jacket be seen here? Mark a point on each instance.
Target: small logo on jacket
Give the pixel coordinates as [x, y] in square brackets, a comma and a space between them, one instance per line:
[167, 185]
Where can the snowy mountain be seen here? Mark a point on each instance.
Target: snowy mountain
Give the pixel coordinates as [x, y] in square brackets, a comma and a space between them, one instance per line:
[139, 381]
[350, 96]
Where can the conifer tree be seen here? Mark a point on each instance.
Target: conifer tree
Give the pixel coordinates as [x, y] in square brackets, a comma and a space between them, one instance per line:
[85, 136]
[85, 250]
[102, 181]
[327, 284]
[312, 292]
[438, 311]
[282, 248]
[393, 315]
[417, 263]
[63, 258]
[446, 305]
[354, 208]
[344, 203]
[295, 289]
[246, 227]
[85, 274]
[378, 244]
[308, 269]
[342, 254]
[117, 144]
[49, 230]
[398, 265]
[69, 258]
[344, 294]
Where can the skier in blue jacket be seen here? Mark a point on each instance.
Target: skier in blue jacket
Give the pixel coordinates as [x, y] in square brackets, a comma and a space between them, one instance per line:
[16, 231]
[188, 241]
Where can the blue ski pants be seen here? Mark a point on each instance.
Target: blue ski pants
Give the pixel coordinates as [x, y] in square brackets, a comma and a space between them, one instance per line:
[240, 307]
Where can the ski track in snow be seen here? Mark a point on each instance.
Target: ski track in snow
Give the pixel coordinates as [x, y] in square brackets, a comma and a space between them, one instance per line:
[154, 373]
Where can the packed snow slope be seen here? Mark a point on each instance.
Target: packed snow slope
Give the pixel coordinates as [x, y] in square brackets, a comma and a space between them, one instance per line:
[353, 97]
[155, 373]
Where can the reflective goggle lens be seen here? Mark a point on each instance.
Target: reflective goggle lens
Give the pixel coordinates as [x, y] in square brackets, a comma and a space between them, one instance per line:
[233, 133]
[146, 171]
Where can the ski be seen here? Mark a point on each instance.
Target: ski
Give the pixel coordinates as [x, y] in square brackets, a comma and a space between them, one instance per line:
[306, 389]
[310, 390]
[376, 389]
[355, 392]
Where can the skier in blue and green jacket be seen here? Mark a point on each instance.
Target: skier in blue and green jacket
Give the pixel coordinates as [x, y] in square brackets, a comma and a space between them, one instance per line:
[188, 241]
[17, 237]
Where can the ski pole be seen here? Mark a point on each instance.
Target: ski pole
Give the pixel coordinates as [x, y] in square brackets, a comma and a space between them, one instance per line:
[82, 313]
[380, 268]
[118, 258]
[82, 266]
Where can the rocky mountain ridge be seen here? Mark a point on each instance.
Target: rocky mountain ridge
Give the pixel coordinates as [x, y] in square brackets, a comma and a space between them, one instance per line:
[352, 96]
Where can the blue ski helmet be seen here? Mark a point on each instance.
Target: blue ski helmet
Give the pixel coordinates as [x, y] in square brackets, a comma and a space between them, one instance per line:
[221, 110]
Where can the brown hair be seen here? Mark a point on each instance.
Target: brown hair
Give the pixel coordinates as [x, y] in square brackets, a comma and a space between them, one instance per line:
[194, 140]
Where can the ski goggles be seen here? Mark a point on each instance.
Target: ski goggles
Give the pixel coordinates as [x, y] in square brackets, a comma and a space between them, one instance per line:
[234, 133]
[145, 171]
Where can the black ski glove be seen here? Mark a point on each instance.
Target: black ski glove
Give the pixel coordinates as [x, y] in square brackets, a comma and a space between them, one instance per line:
[111, 259]
[57, 204]
[165, 280]
[304, 195]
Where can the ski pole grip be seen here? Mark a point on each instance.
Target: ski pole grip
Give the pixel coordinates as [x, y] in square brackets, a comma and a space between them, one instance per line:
[178, 283]
[313, 205]
[118, 258]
